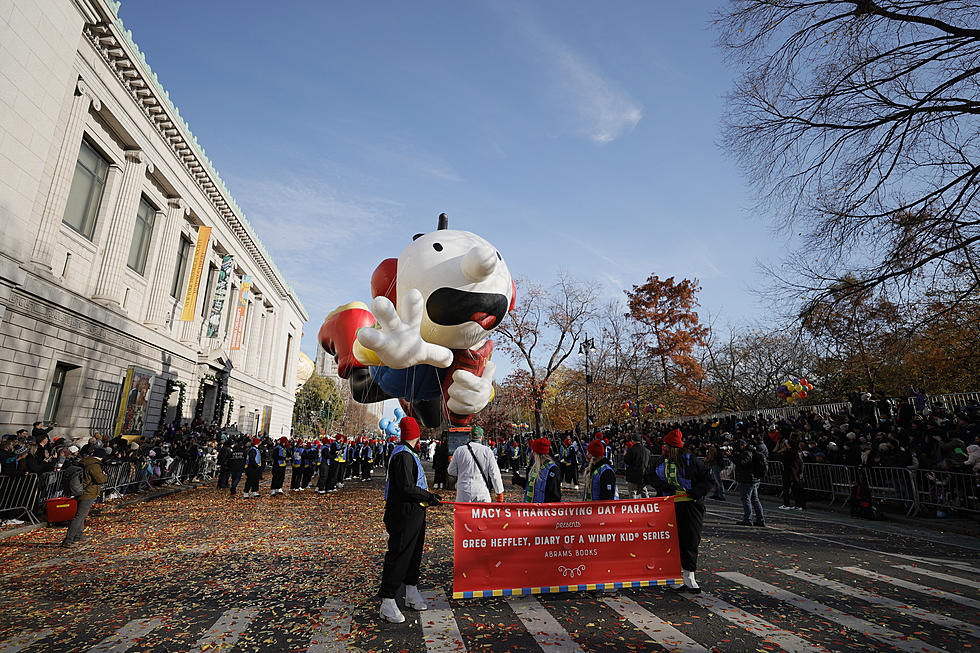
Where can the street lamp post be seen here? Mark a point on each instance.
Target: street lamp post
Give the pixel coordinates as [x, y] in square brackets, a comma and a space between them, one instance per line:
[587, 345]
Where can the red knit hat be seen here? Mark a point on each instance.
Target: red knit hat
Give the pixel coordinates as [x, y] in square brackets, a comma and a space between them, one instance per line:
[596, 449]
[283, 440]
[410, 429]
[674, 439]
[541, 446]
[256, 441]
[568, 441]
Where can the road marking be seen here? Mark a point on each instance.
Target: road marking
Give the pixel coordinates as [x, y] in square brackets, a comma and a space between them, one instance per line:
[655, 628]
[898, 606]
[545, 629]
[23, 640]
[939, 575]
[915, 587]
[333, 629]
[847, 544]
[439, 629]
[945, 562]
[126, 637]
[226, 630]
[898, 640]
[770, 633]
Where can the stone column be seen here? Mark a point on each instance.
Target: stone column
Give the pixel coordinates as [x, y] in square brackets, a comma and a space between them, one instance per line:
[119, 232]
[64, 171]
[255, 340]
[159, 283]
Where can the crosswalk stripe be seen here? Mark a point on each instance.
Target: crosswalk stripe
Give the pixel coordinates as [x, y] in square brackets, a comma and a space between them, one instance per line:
[898, 606]
[121, 640]
[915, 587]
[880, 633]
[545, 629]
[333, 631]
[225, 631]
[770, 633]
[655, 628]
[24, 640]
[958, 565]
[939, 575]
[439, 628]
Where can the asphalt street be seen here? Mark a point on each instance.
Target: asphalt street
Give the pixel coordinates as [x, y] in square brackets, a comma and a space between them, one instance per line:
[201, 571]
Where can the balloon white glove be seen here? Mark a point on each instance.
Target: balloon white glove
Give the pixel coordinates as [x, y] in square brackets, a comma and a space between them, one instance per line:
[399, 342]
[469, 393]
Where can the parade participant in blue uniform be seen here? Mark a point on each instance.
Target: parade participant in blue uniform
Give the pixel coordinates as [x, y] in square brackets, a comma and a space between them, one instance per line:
[280, 458]
[326, 452]
[311, 460]
[406, 498]
[340, 459]
[253, 470]
[600, 477]
[296, 482]
[543, 481]
[686, 478]
[366, 456]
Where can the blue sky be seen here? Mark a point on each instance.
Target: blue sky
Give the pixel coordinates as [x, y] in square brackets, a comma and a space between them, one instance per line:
[572, 135]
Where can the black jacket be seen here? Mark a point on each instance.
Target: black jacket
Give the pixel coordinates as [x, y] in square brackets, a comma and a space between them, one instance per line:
[694, 469]
[637, 459]
[405, 498]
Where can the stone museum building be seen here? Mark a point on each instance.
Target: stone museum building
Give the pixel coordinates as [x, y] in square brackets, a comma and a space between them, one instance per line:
[129, 277]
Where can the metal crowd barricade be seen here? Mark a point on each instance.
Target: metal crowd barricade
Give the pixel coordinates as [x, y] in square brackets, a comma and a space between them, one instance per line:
[774, 476]
[947, 491]
[892, 484]
[818, 479]
[18, 495]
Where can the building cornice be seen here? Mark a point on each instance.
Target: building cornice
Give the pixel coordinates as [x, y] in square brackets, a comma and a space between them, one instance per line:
[123, 57]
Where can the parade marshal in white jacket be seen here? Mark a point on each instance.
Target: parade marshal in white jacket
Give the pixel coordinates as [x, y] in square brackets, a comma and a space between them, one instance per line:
[475, 472]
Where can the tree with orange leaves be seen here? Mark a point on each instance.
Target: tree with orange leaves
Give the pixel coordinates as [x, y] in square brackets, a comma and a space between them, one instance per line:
[673, 332]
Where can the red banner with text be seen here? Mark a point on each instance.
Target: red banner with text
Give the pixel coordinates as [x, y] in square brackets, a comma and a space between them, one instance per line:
[502, 549]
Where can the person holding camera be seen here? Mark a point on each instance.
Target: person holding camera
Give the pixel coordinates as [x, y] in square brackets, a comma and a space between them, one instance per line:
[474, 471]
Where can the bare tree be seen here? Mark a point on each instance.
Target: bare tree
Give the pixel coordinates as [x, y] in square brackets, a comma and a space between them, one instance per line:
[544, 328]
[858, 121]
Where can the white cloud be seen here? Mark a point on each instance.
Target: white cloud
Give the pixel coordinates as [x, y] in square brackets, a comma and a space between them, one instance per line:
[603, 111]
[606, 111]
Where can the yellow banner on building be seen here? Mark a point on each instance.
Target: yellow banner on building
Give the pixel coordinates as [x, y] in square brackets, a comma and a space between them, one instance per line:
[194, 282]
[238, 329]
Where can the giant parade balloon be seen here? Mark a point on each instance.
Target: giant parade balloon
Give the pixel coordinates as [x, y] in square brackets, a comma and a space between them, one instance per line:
[425, 339]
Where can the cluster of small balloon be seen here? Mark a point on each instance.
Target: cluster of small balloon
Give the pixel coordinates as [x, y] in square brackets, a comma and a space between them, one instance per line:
[655, 408]
[629, 409]
[390, 427]
[794, 389]
[522, 425]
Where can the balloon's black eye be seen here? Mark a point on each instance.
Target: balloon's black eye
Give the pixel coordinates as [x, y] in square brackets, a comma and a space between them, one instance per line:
[499, 257]
[437, 247]
[417, 236]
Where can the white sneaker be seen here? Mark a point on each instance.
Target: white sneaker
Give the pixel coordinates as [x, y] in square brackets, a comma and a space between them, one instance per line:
[785, 508]
[413, 599]
[390, 611]
[577, 487]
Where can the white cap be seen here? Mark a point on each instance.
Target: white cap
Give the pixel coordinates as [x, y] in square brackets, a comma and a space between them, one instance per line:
[73, 449]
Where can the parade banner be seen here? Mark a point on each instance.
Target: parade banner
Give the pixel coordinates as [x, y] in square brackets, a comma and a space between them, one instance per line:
[504, 549]
[133, 403]
[220, 292]
[238, 329]
[266, 420]
[200, 253]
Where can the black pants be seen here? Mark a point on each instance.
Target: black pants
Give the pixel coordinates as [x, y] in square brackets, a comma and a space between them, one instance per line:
[366, 469]
[341, 472]
[404, 555]
[252, 477]
[278, 476]
[321, 481]
[332, 476]
[297, 479]
[690, 519]
[223, 474]
[307, 475]
[793, 492]
[236, 477]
